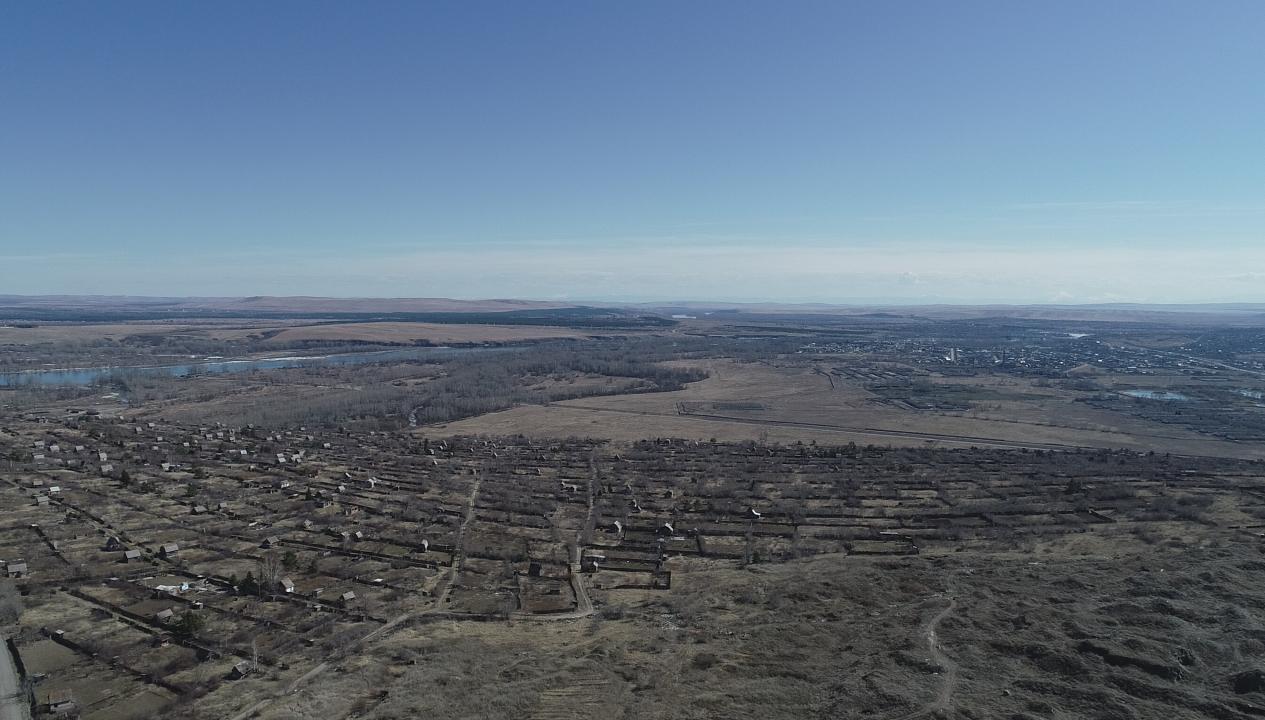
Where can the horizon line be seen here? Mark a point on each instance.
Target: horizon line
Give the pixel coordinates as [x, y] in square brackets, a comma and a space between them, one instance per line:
[850, 303]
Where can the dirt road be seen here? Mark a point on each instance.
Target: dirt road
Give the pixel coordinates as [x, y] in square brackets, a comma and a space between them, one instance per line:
[459, 547]
[583, 605]
[12, 702]
[454, 572]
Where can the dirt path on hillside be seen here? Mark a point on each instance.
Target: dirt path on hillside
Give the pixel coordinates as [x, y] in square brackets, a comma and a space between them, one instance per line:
[949, 673]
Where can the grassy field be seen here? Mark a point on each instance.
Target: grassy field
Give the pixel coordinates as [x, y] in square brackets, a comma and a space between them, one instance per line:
[742, 401]
[406, 332]
[78, 333]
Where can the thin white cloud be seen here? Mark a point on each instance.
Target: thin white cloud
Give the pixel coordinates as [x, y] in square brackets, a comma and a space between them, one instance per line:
[1089, 205]
[1248, 277]
[685, 269]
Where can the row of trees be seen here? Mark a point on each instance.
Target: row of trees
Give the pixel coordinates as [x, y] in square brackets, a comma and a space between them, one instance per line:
[455, 387]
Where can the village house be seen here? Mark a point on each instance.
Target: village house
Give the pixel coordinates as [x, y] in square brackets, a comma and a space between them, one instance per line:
[61, 702]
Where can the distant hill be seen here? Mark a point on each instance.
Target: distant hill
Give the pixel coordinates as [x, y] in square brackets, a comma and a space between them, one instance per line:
[299, 304]
[99, 309]
[104, 308]
[1197, 314]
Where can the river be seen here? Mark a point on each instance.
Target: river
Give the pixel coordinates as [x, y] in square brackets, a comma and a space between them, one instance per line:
[92, 376]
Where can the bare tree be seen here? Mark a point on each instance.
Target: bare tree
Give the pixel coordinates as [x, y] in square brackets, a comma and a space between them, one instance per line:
[10, 602]
[270, 567]
[748, 546]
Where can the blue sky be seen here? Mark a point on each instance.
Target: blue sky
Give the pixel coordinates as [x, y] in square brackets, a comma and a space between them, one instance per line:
[1069, 151]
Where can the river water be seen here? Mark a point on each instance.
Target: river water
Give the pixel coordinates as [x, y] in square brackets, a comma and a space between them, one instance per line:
[93, 376]
[1157, 395]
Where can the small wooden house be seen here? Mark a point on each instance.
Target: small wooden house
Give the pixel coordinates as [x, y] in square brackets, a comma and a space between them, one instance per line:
[61, 703]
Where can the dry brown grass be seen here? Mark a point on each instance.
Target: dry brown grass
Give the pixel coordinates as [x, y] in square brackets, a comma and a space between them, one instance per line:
[845, 637]
[408, 332]
[86, 333]
[797, 404]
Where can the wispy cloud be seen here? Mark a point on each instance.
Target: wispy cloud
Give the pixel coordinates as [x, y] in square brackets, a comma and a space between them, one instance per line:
[1152, 209]
[1247, 277]
[1090, 205]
